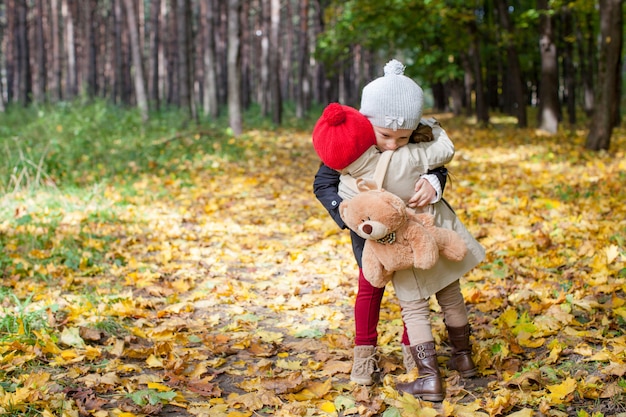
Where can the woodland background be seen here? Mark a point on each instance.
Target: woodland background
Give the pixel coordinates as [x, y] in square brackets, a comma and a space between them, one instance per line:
[210, 56]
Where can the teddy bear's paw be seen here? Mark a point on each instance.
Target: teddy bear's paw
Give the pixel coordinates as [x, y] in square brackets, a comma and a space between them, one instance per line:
[425, 260]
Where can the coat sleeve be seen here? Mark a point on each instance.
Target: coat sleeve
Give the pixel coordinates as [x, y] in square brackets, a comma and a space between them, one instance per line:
[442, 175]
[326, 189]
[436, 152]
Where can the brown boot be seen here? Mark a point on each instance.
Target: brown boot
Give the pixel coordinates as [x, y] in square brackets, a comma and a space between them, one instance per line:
[428, 385]
[461, 359]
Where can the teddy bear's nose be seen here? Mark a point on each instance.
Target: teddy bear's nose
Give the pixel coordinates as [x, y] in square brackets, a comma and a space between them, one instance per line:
[367, 228]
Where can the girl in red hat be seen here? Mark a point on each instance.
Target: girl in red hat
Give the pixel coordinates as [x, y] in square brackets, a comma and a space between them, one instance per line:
[351, 149]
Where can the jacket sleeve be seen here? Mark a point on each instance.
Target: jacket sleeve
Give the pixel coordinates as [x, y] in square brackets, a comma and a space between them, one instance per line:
[326, 189]
[442, 175]
[436, 152]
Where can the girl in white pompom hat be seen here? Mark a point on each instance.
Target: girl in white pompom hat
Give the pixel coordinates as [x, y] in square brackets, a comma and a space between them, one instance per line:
[393, 104]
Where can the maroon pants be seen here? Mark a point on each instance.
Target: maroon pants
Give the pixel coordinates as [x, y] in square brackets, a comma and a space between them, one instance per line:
[367, 312]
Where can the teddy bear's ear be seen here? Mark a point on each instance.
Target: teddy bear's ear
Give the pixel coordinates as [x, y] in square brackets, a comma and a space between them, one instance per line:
[363, 184]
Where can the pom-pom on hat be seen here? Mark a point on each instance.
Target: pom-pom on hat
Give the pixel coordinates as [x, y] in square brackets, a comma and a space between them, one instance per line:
[393, 101]
[342, 135]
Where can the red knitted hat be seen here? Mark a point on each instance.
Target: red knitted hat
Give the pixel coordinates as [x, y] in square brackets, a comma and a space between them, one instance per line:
[341, 135]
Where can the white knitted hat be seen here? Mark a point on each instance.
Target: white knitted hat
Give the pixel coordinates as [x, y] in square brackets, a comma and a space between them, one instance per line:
[393, 101]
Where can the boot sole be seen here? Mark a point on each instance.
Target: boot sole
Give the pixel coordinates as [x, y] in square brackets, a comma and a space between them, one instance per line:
[362, 381]
[469, 374]
[434, 398]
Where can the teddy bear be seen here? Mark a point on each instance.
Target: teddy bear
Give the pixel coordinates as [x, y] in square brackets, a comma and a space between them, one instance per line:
[396, 237]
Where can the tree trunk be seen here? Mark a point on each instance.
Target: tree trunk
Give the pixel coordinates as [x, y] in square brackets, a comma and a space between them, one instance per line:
[11, 45]
[155, 44]
[244, 53]
[514, 71]
[235, 117]
[456, 96]
[318, 78]
[184, 64]
[57, 73]
[140, 89]
[40, 46]
[603, 120]
[71, 88]
[285, 43]
[468, 83]
[173, 65]
[302, 83]
[3, 58]
[482, 114]
[24, 83]
[90, 30]
[587, 60]
[210, 102]
[549, 88]
[264, 97]
[118, 77]
[275, 73]
[569, 71]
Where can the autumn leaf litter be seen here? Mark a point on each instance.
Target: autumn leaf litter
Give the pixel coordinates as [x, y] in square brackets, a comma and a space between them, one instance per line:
[224, 289]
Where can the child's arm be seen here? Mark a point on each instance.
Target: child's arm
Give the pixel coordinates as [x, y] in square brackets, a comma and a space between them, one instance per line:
[435, 152]
[325, 188]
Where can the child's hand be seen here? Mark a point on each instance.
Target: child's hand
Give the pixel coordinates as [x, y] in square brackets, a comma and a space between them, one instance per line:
[424, 194]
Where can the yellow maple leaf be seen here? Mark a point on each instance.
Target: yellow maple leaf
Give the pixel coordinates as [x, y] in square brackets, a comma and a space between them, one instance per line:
[611, 253]
[291, 365]
[559, 392]
[328, 407]
[525, 412]
[154, 362]
[158, 387]
[320, 388]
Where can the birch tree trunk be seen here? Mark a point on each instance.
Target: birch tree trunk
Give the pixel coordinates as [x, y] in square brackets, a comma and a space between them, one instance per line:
[549, 88]
[235, 117]
[71, 88]
[155, 41]
[264, 96]
[140, 90]
[210, 104]
[274, 60]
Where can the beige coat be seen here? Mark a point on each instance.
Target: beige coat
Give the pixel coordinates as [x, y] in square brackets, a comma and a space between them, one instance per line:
[405, 167]
[408, 162]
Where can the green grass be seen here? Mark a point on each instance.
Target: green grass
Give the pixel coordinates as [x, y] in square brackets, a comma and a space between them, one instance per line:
[81, 143]
[18, 320]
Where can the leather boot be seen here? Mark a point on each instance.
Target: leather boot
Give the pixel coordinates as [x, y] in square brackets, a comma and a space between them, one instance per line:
[461, 359]
[428, 385]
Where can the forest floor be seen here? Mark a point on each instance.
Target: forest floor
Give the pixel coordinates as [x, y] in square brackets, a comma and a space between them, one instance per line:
[224, 289]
